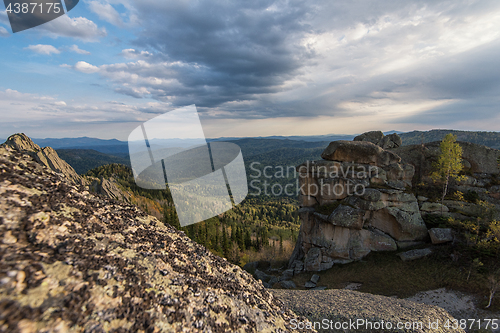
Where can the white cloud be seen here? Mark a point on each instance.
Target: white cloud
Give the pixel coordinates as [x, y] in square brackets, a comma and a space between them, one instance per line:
[106, 12]
[43, 49]
[4, 32]
[85, 67]
[78, 27]
[76, 49]
[135, 54]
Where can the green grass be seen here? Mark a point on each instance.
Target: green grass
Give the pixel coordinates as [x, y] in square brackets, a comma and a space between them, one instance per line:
[386, 274]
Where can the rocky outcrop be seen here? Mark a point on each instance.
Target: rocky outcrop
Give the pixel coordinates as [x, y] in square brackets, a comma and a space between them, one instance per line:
[480, 161]
[46, 156]
[354, 202]
[378, 138]
[109, 188]
[74, 262]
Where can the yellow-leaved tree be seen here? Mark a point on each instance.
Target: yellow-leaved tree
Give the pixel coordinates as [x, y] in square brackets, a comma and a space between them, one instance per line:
[449, 163]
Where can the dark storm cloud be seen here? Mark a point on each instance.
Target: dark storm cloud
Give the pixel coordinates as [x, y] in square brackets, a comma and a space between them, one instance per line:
[264, 59]
[234, 49]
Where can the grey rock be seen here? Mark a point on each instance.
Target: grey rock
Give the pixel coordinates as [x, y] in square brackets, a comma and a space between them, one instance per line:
[310, 284]
[287, 275]
[374, 137]
[414, 254]
[313, 259]
[45, 156]
[251, 266]
[287, 284]
[58, 210]
[259, 275]
[348, 217]
[359, 152]
[315, 278]
[273, 280]
[440, 235]
[433, 207]
[422, 198]
[319, 288]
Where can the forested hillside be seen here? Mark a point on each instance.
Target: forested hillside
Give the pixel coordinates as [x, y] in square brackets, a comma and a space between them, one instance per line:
[489, 139]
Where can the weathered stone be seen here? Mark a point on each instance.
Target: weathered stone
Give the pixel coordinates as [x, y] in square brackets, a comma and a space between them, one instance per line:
[286, 275]
[464, 208]
[440, 235]
[273, 280]
[86, 263]
[45, 156]
[359, 152]
[315, 278]
[433, 207]
[346, 216]
[374, 137]
[319, 288]
[259, 275]
[307, 201]
[251, 266]
[422, 198]
[371, 194]
[313, 259]
[414, 254]
[310, 284]
[288, 284]
[399, 224]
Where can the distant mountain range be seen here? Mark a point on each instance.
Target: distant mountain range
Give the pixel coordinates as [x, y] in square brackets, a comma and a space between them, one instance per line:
[86, 153]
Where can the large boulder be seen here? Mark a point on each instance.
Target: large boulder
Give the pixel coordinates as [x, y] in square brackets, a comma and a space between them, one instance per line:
[363, 152]
[354, 202]
[440, 235]
[75, 262]
[378, 138]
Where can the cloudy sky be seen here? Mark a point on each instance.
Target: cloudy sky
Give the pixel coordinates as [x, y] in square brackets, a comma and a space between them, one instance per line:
[254, 68]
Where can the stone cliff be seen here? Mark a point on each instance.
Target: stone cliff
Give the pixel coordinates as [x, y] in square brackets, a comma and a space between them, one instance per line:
[46, 156]
[74, 262]
[354, 202]
[358, 199]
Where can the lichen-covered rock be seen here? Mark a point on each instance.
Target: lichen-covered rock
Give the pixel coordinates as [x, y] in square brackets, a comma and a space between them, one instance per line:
[378, 138]
[354, 202]
[74, 262]
[360, 152]
[46, 156]
[440, 235]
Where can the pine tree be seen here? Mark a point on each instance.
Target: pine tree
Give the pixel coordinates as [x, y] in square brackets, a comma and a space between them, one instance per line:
[248, 239]
[225, 242]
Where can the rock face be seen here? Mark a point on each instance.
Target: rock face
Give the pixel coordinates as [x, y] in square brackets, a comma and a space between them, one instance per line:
[479, 160]
[109, 188]
[74, 262]
[46, 156]
[352, 203]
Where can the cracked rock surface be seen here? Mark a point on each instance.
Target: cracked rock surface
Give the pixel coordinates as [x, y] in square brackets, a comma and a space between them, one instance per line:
[71, 261]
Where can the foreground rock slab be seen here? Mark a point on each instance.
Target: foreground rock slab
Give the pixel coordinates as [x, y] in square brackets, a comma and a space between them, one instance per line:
[345, 306]
[74, 262]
